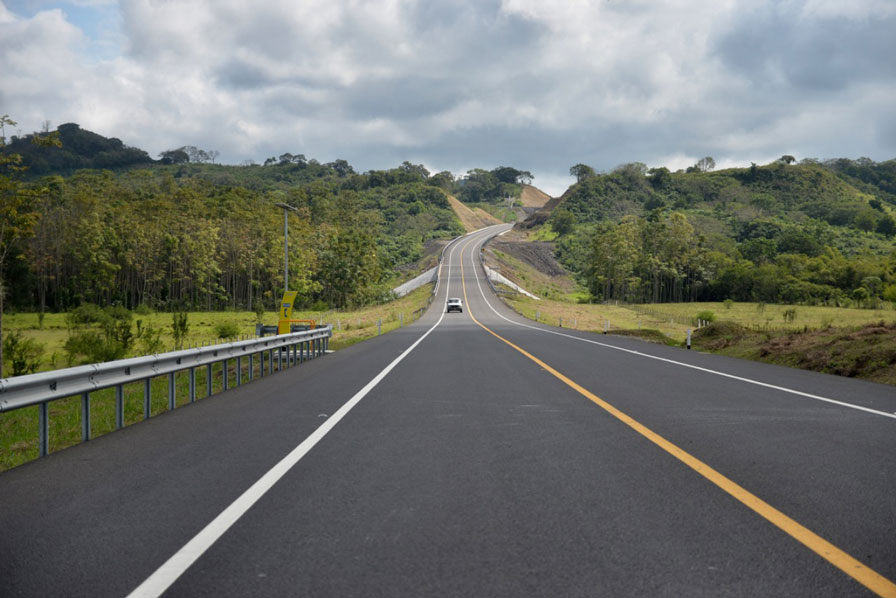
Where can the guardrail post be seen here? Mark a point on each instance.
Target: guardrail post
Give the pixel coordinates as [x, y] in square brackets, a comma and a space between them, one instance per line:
[379, 327]
[192, 385]
[147, 398]
[239, 370]
[209, 379]
[85, 417]
[119, 406]
[224, 374]
[171, 392]
[251, 367]
[280, 359]
[44, 434]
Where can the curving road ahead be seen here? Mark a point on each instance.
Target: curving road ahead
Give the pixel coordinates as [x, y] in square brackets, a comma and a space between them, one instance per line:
[477, 454]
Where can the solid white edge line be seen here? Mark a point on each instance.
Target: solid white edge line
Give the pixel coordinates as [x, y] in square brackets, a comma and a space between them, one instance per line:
[672, 361]
[165, 576]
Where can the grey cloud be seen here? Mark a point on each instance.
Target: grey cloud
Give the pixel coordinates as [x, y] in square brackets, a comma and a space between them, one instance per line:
[405, 98]
[772, 43]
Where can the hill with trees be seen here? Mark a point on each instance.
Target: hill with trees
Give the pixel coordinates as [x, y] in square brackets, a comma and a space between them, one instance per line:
[79, 149]
[784, 232]
[185, 233]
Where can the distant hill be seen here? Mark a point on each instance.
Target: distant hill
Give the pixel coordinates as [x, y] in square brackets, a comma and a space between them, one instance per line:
[810, 232]
[80, 149]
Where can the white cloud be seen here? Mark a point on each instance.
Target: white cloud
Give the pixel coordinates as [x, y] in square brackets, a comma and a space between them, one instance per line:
[536, 84]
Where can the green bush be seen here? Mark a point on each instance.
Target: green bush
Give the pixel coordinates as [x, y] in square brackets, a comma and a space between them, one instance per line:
[707, 316]
[84, 315]
[89, 346]
[259, 311]
[150, 338]
[226, 330]
[22, 354]
[179, 328]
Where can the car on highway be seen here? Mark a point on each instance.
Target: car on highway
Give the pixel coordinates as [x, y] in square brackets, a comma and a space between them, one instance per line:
[454, 304]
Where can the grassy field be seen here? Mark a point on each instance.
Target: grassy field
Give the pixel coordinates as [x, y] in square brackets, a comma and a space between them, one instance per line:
[18, 429]
[674, 319]
[835, 340]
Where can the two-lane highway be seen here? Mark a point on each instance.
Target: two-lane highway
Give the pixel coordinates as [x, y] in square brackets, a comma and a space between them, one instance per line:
[477, 454]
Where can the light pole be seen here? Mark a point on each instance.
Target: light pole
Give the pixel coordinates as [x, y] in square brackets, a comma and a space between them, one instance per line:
[286, 210]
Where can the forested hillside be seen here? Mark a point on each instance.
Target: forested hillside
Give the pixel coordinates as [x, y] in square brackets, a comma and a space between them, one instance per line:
[188, 235]
[786, 232]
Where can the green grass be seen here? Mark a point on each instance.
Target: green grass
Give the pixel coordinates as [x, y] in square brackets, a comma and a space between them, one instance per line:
[19, 428]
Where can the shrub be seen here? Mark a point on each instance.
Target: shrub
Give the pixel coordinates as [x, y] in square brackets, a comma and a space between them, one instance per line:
[728, 303]
[179, 328]
[143, 310]
[89, 346]
[85, 314]
[706, 315]
[226, 330]
[259, 311]
[789, 314]
[150, 338]
[23, 354]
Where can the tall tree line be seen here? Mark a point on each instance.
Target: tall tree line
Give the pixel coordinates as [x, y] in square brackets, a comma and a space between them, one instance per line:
[147, 237]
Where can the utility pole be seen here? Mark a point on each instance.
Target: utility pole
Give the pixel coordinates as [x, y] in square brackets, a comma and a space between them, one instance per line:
[286, 210]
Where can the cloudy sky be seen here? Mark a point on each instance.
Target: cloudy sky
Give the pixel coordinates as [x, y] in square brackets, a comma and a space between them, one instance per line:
[536, 84]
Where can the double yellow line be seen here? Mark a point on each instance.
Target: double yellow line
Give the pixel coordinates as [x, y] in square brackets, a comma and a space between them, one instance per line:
[869, 578]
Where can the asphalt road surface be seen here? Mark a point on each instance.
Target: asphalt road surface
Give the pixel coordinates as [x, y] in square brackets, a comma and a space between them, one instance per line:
[476, 454]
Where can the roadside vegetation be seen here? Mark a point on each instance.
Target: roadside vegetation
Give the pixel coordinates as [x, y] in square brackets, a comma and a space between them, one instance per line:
[848, 341]
[18, 429]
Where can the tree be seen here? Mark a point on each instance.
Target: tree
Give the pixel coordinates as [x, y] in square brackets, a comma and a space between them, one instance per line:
[342, 168]
[660, 178]
[886, 226]
[582, 172]
[562, 221]
[175, 156]
[417, 170]
[17, 218]
[787, 159]
[705, 164]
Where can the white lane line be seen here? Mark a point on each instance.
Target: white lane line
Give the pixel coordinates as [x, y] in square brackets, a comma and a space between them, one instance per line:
[174, 567]
[672, 361]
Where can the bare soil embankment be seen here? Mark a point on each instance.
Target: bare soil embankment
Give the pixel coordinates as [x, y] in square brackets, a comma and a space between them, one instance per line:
[472, 219]
[533, 197]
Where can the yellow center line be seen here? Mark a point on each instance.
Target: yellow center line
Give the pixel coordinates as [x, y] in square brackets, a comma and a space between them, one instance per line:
[869, 578]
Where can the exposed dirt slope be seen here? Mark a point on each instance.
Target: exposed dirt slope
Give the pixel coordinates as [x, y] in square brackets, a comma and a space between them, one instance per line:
[533, 197]
[867, 351]
[472, 219]
[529, 264]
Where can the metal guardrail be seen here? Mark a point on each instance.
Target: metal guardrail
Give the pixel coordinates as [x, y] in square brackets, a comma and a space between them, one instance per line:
[45, 387]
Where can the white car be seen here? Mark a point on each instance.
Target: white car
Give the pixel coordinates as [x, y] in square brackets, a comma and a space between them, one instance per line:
[454, 304]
